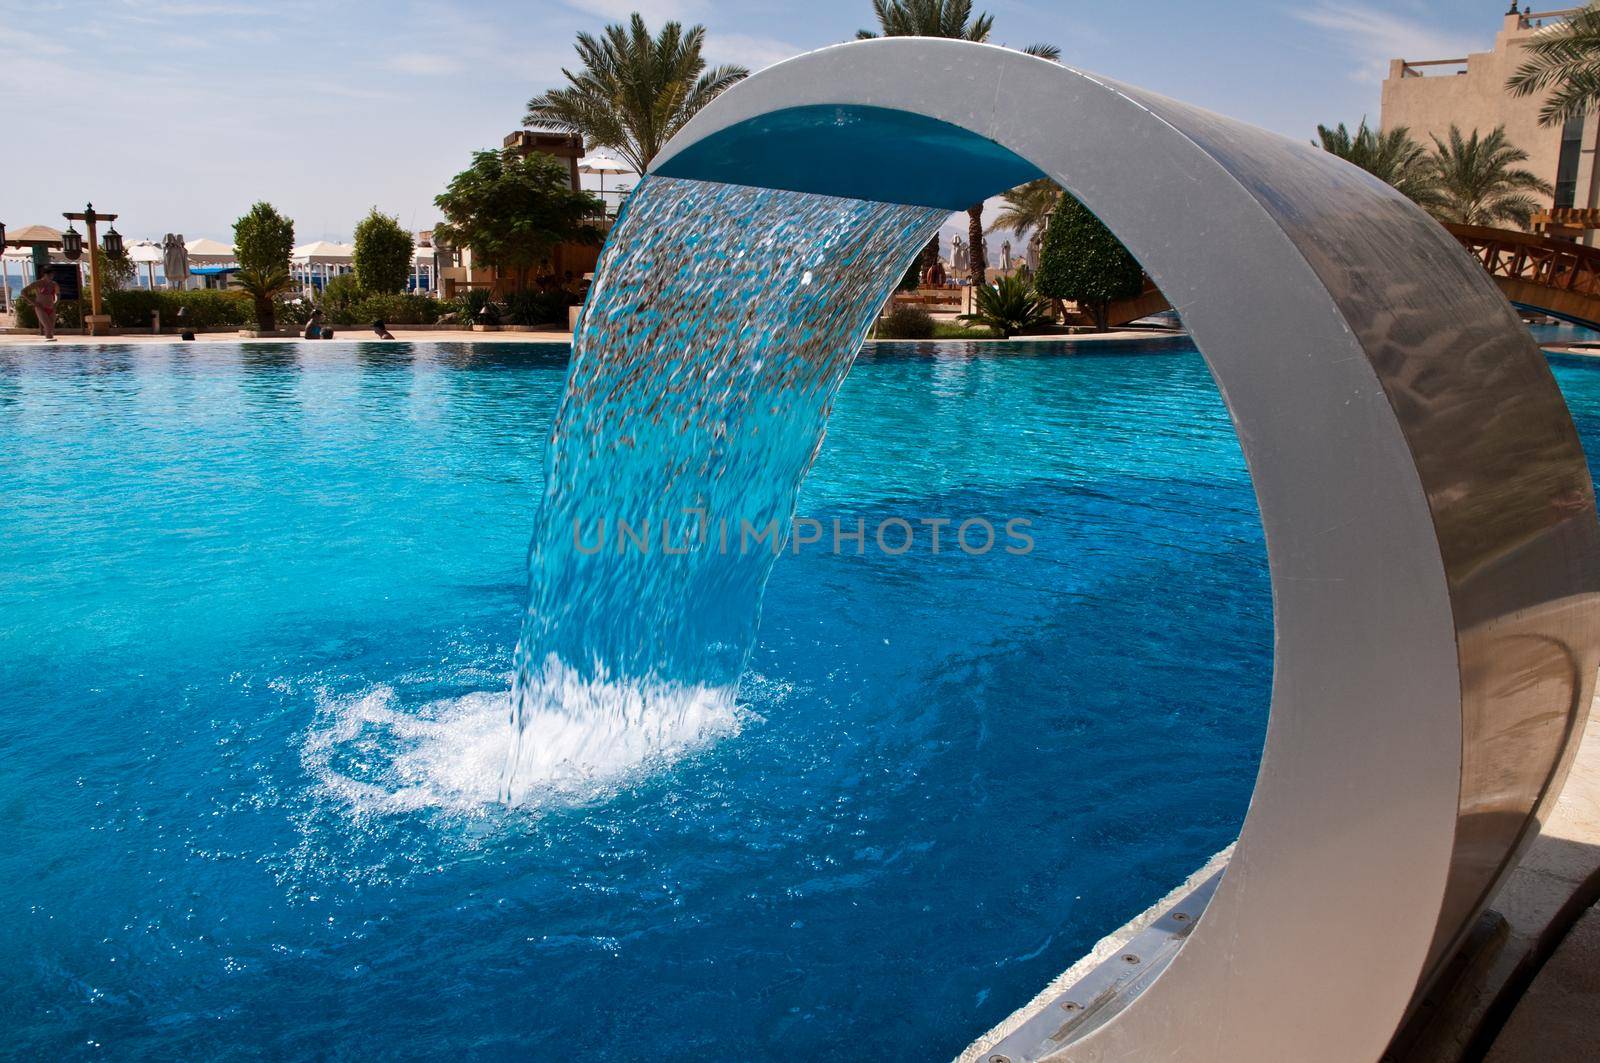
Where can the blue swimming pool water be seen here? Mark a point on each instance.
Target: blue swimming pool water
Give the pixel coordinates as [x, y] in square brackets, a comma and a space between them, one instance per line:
[257, 607]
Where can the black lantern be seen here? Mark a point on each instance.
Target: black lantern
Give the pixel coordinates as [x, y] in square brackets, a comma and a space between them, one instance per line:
[2, 237]
[72, 243]
[112, 243]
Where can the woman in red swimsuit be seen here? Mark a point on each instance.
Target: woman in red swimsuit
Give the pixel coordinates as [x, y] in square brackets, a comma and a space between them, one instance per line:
[42, 295]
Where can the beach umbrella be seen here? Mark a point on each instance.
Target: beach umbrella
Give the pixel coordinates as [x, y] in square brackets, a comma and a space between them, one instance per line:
[602, 165]
[212, 252]
[175, 260]
[148, 254]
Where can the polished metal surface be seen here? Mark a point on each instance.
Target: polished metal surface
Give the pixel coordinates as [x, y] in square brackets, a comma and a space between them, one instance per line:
[1429, 518]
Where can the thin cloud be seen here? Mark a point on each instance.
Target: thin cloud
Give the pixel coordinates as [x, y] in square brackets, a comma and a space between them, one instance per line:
[151, 10]
[655, 12]
[1372, 37]
[748, 51]
[422, 64]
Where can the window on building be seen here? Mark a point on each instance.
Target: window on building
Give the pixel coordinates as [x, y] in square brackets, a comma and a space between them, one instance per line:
[1567, 166]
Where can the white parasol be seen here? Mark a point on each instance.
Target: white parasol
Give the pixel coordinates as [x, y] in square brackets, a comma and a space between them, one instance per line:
[602, 165]
[148, 254]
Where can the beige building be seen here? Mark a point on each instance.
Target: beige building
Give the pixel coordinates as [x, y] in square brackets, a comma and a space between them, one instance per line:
[456, 269]
[1428, 95]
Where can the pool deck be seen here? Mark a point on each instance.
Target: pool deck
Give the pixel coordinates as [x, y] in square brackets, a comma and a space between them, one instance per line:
[1527, 985]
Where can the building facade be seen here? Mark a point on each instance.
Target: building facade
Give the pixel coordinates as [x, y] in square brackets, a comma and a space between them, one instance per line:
[1427, 96]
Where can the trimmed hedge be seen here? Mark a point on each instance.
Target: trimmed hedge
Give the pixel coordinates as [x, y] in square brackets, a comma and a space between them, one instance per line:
[391, 310]
[207, 308]
[346, 304]
[130, 308]
[69, 314]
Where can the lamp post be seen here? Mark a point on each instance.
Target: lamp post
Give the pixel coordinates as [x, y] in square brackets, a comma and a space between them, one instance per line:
[96, 323]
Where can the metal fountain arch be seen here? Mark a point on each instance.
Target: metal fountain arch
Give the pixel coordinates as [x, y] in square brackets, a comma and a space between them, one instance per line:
[1429, 518]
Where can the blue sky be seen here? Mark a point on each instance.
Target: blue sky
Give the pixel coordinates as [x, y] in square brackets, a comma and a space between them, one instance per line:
[180, 113]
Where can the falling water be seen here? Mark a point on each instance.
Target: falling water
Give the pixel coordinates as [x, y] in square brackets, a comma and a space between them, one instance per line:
[721, 320]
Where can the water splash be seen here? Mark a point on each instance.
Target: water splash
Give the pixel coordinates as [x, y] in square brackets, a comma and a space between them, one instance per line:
[720, 323]
[378, 756]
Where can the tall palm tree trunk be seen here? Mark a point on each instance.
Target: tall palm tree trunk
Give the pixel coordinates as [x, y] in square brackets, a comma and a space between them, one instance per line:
[977, 253]
[929, 258]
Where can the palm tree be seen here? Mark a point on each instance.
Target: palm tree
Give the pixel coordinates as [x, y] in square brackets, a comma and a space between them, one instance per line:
[1393, 157]
[952, 19]
[1027, 207]
[1010, 306]
[634, 91]
[264, 286]
[1479, 183]
[1565, 59]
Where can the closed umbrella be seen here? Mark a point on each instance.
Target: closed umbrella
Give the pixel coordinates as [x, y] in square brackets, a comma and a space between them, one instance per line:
[175, 260]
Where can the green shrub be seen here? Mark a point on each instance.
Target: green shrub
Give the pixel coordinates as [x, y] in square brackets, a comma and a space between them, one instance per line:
[905, 323]
[1010, 307]
[539, 307]
[944, 331]
[293, 313]
[69, 314]
[470, 302]
[130, 308]
[338, 295]
[390, 309]
[346, 304]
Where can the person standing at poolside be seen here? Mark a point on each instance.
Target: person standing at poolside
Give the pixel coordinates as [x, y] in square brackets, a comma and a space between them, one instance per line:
[42, 295]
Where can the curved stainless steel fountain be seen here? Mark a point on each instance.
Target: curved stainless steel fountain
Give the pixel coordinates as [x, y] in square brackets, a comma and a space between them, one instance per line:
[1429, 519]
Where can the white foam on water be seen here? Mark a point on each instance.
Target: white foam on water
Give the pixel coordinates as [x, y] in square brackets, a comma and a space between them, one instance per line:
[583, 737]
[381, 758]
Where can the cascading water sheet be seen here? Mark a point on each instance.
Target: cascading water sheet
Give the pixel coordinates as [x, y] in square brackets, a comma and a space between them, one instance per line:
[721, 320]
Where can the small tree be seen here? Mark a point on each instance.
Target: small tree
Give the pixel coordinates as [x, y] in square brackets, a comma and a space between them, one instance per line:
[512, 211]
[384, 252]
[1083, 262]
[263, 240]
[264, 287]
[116, 271]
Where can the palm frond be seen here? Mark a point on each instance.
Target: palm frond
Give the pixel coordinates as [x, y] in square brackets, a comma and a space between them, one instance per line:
[1391, 156]
[950, 19]
[1027, 207]
[634, 89]
[1479, 182]
[1564, 58]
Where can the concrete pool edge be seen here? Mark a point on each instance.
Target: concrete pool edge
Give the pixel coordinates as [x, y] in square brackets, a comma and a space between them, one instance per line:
[1105, 949]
